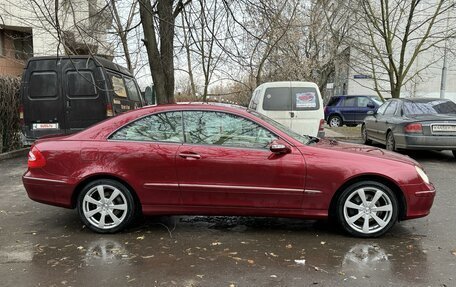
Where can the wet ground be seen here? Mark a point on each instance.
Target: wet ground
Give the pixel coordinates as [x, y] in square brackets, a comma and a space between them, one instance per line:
[42, 245]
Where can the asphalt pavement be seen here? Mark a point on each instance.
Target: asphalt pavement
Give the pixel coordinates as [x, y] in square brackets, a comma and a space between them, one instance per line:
[42, 245]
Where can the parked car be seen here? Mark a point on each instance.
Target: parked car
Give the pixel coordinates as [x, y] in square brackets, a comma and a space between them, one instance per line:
[219, 160]
[297, 105]
[350, 110]
[413, 123]
[63, 95]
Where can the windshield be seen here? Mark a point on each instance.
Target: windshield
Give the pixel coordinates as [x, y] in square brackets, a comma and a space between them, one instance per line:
[430, 108]
[377, 100]
[301, 138]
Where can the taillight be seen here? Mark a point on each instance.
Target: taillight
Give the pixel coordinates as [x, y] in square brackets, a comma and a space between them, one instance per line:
[413, 128]
[35, 158]
[321, 127]
[109, 112]
[21, 115]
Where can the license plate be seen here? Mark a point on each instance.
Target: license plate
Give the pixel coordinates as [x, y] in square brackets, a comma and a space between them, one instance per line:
[444, 128]
[42, 126]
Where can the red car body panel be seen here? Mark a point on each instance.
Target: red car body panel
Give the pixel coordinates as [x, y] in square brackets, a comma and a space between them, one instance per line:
[224, 180]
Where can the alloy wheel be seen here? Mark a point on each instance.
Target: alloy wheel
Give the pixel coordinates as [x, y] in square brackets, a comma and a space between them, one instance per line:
[390, 142]
[335, 121]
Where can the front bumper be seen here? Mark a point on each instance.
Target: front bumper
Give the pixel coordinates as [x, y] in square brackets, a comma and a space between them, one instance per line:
[420, 198]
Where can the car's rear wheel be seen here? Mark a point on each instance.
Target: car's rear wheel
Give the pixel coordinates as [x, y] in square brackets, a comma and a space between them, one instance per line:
[390, 142]
[364, 136]
[335, 121]
[367, 209]
[106, 206]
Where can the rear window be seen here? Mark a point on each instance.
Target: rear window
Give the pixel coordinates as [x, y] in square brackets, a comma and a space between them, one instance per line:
[43, 85]
[333, 101]
[118, 85]
[81, 84]
[277, 99]
[133, 93]
[431, 107]
[305, 98]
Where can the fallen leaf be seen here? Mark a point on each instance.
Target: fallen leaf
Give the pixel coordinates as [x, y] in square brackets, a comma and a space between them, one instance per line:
[140, 237]
[300, 261]
[251, 261]
[288, 246]
[273, 276]
[323, 242]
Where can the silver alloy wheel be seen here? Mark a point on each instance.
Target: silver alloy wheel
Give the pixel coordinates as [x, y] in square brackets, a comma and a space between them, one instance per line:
[335, 122]
[105, 206]
[390, 143]
[368, 210]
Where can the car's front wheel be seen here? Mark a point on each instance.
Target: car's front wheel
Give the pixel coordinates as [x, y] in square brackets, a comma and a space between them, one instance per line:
[106, 206]
[364, 136]
[367, 209]
[335, 121]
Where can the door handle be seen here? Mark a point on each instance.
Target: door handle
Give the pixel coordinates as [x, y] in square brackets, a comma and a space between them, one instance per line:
[188, 155]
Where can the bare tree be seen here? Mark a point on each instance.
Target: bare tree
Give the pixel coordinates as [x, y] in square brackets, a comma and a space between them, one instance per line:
[391, 34]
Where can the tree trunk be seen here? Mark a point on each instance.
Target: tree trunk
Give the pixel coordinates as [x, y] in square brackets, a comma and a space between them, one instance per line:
[161, 59]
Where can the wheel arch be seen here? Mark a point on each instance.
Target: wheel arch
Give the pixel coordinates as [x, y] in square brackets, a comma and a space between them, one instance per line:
[372, 177]
[336, 114]
[94, 177]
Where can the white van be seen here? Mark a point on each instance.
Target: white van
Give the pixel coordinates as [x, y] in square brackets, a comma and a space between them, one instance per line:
[297, 105]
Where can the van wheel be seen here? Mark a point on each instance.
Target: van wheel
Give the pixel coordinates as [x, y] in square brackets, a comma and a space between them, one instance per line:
[335, 121]
[106, 206]
[367, 209]
[364, 136]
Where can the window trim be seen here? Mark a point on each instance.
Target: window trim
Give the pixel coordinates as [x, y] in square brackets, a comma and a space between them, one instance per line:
[67, 82]
[108, 138]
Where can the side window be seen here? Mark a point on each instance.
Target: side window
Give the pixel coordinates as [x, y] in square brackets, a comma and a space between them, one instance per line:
[350, 102]
[333, 101]
[391, 109]
[81, 84]
[305, 98]
[382, 108]
[163, 127]
[277, 99]
[43, 85]
[133, 92]
[363, 102]
[118, 85]
[217, 128]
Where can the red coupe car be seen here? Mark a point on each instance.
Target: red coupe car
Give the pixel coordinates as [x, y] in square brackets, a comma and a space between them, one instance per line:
[219, 160]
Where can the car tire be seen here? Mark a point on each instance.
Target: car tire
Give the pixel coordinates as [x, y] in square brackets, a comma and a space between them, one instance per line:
[454, 153]
[390, 141]
[335, 121]
[106, 206]
[364, 135]
[360, 216]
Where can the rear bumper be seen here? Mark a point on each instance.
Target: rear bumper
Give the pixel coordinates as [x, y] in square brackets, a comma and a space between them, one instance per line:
[420, 198]
[423, 142]
[49, 191]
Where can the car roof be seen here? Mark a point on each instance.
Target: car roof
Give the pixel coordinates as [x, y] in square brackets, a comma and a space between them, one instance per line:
[421, 99]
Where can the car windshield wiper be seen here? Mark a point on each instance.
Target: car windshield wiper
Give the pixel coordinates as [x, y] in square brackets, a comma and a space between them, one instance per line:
[312, 140]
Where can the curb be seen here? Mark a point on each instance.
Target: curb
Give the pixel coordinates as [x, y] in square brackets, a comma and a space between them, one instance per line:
[14, 153]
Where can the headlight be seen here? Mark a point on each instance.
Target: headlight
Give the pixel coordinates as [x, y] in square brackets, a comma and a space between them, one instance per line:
[422, 174]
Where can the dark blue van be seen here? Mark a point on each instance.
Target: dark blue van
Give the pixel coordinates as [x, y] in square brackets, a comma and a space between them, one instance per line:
[350, 110]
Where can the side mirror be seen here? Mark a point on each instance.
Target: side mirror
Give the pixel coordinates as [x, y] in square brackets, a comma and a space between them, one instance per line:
[371, 106]
[279, 147]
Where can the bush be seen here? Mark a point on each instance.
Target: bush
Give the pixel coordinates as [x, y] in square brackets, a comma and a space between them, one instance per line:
[10, 138]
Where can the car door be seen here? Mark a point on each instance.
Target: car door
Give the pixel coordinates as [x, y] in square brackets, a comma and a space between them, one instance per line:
[147, 148]
[348, 109]
[364, 104]
[385, 119]
[372, 123]
[225, 161]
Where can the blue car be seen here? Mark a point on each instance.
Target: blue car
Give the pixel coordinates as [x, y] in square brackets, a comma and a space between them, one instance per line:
[350, 110]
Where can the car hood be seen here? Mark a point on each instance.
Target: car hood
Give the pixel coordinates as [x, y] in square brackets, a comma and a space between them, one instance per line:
[364, 150]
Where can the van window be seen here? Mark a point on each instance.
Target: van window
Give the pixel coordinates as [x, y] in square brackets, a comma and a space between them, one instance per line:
[43, 85]
[81, 84]
[277, 99]
[305, 98]
[118, 85]
[133, 93]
